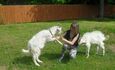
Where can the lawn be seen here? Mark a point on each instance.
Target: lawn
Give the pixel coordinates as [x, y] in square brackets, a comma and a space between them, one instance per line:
[14, 37]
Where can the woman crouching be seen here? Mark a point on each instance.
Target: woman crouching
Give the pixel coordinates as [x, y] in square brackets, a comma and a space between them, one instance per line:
[70, 39]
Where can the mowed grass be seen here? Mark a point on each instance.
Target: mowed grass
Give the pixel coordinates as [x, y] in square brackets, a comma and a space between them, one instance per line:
[14, 37]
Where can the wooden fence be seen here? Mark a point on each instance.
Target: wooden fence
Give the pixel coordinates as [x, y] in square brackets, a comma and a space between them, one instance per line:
[35, 13]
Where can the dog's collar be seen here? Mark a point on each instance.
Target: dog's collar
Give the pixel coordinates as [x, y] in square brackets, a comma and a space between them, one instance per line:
[51, 32]
[56, 39]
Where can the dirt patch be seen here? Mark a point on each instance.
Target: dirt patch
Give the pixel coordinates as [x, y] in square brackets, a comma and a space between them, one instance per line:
[112, 47]
[3, 68]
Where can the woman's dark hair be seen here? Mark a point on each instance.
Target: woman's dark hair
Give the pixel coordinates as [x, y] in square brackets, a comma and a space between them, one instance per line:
[75, 27]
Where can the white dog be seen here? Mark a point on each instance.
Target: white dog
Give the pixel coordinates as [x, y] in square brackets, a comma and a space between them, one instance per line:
[37, 42]
[95, 37]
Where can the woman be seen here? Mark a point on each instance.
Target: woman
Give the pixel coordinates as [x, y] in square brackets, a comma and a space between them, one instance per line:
[70, 38]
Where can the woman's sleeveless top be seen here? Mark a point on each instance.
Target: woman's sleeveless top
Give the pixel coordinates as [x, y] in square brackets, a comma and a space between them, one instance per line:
[67, 36]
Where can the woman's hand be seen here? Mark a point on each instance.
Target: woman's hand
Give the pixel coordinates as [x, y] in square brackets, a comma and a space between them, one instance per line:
[61, 37]
[70, 42]
[57, 37]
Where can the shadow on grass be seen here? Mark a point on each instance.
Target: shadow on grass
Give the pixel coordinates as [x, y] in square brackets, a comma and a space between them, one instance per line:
[81, 53]
[56, 56]
[26, 60]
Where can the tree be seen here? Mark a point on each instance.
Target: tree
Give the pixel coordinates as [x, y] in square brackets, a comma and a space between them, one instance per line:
[111, 2]
[101, 9]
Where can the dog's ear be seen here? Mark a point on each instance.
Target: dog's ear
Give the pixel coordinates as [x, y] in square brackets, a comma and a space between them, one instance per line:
[59, 25]
[59, 28]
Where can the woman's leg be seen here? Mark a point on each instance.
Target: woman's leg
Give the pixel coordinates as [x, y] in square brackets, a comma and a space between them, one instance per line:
[64, 48]
[73, 52]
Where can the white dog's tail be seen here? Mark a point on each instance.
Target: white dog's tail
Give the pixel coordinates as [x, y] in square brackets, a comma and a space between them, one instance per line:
[25, 51]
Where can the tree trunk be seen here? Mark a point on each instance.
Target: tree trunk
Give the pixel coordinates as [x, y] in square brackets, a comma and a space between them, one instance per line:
[101, 10]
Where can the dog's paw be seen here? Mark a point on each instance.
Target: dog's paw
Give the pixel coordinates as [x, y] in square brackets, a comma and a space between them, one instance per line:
[87, 57]
[40, 61]
[37, 64]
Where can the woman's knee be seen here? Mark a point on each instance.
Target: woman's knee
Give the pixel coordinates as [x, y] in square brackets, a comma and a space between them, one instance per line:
[65, 46]
[73, 53]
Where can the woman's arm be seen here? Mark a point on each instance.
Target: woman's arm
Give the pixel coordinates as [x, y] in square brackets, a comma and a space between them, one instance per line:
[58, 37]
[71, 42]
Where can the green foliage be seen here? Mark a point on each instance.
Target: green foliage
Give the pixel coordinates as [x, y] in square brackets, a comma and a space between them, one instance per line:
[49, 1]
[60, 1]
[2, 1]
[22, 2]
[34, 1]
[111, 2]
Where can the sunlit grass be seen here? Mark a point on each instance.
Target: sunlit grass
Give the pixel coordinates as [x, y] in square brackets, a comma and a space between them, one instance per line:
[14, 37]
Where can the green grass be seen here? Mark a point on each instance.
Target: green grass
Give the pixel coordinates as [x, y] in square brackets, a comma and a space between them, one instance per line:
[14, 37]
